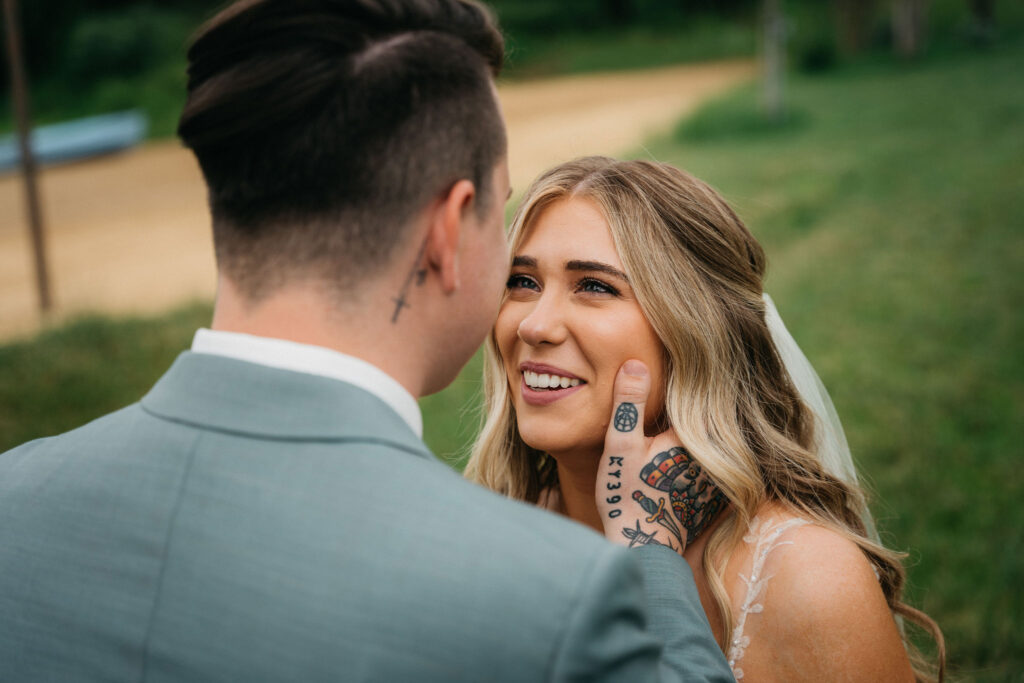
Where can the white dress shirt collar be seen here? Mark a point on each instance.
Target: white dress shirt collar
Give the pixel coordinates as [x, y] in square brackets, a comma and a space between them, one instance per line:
[313, 360]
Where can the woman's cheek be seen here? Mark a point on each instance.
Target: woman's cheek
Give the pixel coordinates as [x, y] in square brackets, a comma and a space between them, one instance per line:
[505, 335]
[625, 339]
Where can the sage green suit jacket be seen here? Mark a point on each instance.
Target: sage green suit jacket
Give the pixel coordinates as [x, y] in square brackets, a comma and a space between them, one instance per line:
[242, 523]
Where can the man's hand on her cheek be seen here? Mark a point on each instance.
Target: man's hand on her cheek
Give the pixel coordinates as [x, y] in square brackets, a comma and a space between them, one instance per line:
[649, 490]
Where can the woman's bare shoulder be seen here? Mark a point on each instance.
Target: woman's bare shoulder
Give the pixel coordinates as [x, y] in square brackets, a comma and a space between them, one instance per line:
[825, 614]
[819, 564]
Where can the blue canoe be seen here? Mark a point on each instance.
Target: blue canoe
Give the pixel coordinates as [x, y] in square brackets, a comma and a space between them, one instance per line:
[78, 139]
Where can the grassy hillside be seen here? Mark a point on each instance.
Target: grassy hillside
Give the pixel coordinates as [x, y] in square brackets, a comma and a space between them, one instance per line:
[892, 209]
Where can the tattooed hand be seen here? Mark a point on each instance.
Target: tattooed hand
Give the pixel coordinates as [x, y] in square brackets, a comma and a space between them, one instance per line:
[649, 490]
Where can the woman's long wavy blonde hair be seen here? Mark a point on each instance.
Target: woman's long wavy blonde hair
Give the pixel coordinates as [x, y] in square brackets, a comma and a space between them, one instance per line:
[697, 274]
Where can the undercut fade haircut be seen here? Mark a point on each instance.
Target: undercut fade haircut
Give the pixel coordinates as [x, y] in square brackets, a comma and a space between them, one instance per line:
[323, 126]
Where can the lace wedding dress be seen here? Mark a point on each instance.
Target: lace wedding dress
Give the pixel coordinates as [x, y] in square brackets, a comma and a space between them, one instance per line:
[764, 536]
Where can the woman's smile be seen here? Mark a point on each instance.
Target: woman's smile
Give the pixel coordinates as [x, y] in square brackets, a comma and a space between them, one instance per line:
[543, 384]
[568, 323]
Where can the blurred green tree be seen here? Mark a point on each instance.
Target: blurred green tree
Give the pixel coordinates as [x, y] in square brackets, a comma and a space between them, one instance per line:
[122, 43]
[984, 12]
[619, 11]
[854, 19]
[47, 25]
[773, 59]
[909, 24]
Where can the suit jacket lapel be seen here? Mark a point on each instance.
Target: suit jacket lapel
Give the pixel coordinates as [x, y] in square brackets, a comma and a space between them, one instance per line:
[225, 394]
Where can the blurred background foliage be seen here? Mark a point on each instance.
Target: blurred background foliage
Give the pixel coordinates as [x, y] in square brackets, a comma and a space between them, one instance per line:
[95, 56]
[889, 199]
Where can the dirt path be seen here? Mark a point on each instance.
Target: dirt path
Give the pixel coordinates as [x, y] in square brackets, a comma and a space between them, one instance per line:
[130, 233]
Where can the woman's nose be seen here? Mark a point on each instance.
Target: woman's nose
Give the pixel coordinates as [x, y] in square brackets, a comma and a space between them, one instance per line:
[545, 324]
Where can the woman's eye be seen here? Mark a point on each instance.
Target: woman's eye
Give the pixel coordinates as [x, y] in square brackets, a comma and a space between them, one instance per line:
[521, 282]
[596, 287]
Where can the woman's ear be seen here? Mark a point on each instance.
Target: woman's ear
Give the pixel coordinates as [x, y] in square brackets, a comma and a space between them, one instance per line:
[446, 226]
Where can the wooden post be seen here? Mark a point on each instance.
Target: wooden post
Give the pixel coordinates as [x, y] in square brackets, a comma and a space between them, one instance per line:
[909, 23]
[28, 163]
[853, 24]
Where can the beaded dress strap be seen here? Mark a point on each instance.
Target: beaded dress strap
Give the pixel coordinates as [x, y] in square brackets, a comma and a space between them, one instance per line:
[765, 535]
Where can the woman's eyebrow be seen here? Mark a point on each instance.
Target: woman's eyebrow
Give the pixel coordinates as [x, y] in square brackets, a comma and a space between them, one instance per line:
[597, 266]
[524, 262]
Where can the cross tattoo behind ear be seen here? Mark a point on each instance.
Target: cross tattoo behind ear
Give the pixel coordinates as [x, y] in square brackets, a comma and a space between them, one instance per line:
[400, 303]
[419, 274]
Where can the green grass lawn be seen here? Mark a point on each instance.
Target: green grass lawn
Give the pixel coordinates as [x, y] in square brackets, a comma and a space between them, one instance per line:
[891, 208]
[69, 375]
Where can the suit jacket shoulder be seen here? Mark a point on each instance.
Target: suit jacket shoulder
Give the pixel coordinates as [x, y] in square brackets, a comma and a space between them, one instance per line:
[247, 523]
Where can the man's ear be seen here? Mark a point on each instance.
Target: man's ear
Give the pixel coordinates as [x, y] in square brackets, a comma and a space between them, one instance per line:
[446, 225]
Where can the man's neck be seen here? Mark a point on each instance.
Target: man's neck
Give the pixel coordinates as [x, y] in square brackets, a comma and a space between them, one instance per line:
[307, 315]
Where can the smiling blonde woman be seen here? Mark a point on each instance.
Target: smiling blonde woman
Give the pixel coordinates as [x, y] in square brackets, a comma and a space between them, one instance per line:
[618, 260]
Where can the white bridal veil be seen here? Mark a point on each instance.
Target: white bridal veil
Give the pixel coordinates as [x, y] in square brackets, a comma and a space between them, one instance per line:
[833, 451]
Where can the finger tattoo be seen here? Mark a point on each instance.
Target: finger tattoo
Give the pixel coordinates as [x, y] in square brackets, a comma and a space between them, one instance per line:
[637, 536]
[614, 498]
[625, 417]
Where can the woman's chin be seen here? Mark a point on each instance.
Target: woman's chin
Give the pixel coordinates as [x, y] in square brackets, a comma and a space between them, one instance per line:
[556, 439]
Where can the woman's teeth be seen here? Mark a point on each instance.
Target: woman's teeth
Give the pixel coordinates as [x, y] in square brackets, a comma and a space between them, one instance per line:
[538, 381]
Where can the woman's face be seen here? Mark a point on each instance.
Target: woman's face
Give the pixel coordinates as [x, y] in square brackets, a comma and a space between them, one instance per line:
[569, 323]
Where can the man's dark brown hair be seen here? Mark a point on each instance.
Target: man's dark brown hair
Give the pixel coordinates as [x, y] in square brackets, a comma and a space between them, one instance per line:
[323, 126]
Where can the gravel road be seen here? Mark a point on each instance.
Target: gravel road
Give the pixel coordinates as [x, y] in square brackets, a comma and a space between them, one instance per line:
[130, 233]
